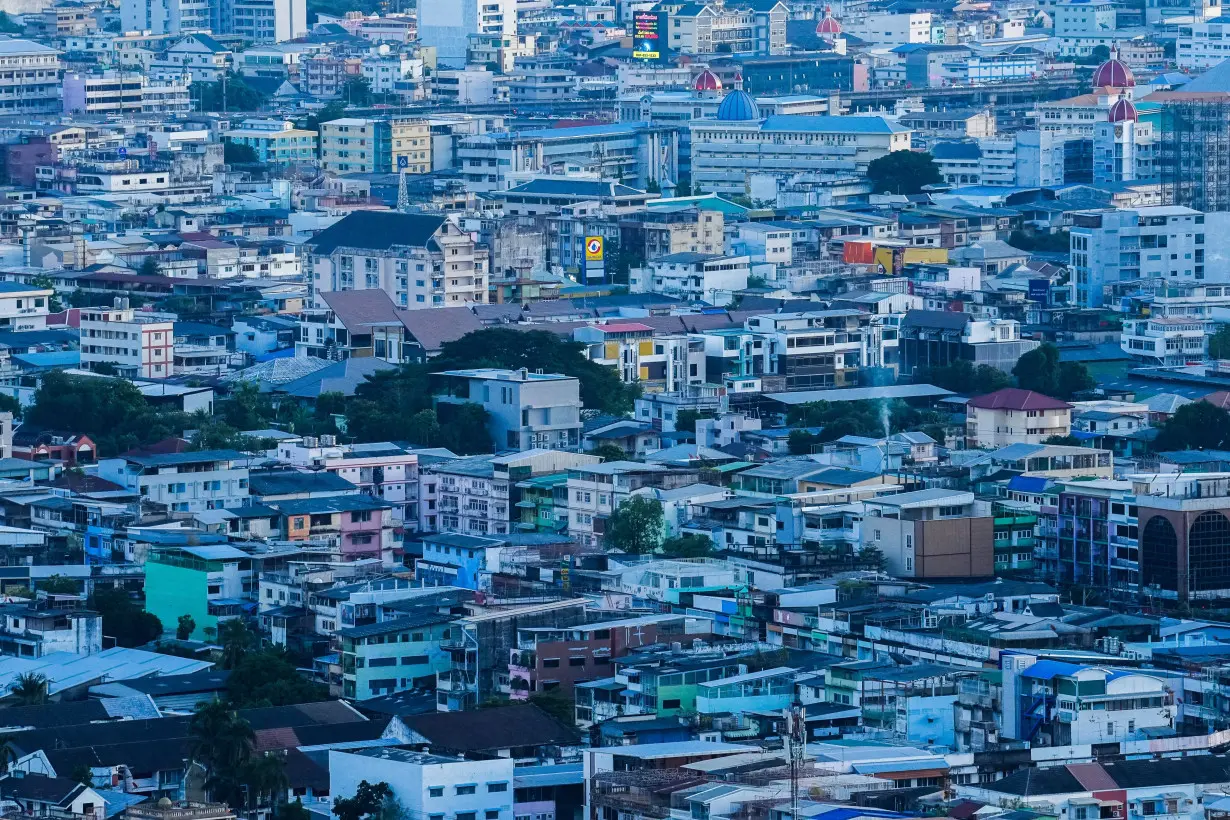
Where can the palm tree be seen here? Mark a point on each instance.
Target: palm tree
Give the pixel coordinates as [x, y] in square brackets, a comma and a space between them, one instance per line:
[30, 689]
[219, 741]
[265, 777]
[8, 752]
[236, 640]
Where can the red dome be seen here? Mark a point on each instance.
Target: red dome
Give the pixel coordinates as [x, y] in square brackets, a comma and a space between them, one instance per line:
[1113, 74]
[1122, 111]
[827, 24]
[707, 81]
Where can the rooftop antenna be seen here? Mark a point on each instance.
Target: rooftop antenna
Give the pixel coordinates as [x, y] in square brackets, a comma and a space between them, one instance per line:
[403, 194]
[796, 745]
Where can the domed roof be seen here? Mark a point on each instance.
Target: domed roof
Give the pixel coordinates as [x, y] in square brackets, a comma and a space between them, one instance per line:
[738, 106]
[827, 24]
[1113, 73]
[707, 81]
[1122, 111]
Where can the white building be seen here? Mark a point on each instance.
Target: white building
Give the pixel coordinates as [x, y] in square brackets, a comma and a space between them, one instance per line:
[23, 307]
[525, 411]
[184, 482]
[892, 29]
[1084, 18]
[123, 338]
[261, 21]
[1202, 45]
[446, 25]
[428, 786]
[1112, 251]
[30, 82]
[381, 469]
[694, 277]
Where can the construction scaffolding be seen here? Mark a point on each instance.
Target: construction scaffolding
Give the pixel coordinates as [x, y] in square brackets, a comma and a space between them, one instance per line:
[1194, 150]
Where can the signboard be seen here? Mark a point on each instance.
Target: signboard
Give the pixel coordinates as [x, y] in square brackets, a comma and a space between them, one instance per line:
[123, 152]
[403, 162]
[593, 249]
[1040, 291]
[647, 35]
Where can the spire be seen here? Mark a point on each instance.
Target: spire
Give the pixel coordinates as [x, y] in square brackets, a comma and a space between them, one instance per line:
[403, 194]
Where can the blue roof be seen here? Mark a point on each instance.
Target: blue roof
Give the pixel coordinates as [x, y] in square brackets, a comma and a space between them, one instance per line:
[818, 122]
[1045, 670]
[582, 131]
[52, 358]
[738, 106]
[1084, 435]
[1028, 483]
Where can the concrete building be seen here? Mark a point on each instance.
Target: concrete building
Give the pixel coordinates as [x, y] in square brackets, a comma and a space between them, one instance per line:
[184, 482]
[420, 261]
[888, 28]
[209, 583]
[124, 93]
[31, 82]
[353, 145]
[693, 277]
[932, 533]
[526, 411]
[1114, 251]
[260, 21]
[728, 28]
[933, 338]
[23, 307]
[1014, 416]
[393, 655]
[428, 785]
[447, 26]
[123, 338]
[275, 141]
[1201, 44]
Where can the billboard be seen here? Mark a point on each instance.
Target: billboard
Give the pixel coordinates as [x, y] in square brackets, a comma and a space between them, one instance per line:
[647, 35]
[594, 250]
[1040, 291]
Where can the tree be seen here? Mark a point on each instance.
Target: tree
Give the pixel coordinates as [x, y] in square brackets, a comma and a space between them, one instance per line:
[872, 558]
[368, 799]
[903, 172]
[265, 779]
[685, 419]
[292, 811]
[230, 94]
[184, 627]
[268, 678]
[1041, 371]
[1100, 54]
[8, 752]
[236, 639]
[635, 526]
[149, 267]
[59, 584]
[83, 774]
[1196, 426]
[961, 376]
[220, 741]
[556, 704]
[123, 620]
[688, 546]
[7, 26]
[463, 429]
[236, 153]
[1063, 441]
[609, 452]
[358, 91]
[30, 689]
[43, 282]
[1219, 343]
[8, 404]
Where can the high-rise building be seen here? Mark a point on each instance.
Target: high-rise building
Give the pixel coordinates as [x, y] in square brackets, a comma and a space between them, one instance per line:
[447, 25]
[262, 21]
[1194, 149]
[355, 145]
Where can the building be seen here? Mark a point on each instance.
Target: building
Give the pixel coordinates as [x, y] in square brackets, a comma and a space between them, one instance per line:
[184, 482]
[932, 338]
[525, 411]
[275, 142]
[1014, 416]
[731, 27]
[209, 583]
[1189, 163]
[23, 307]
[427, 785]
[123, 338]
[1184, 537]
[363, 146]
[448, 26]
[694, 277]
[738, 142]
[394, 655]
[1200, 44]
[1113, 251]
[892, 28]
[31, 85]
[418, 260]
[260, 21]
[117, 92]
[931, 534]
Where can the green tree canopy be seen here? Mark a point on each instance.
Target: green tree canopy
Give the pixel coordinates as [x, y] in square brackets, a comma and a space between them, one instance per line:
[232, 95]
[1041, 371]
[903, 172]
[366, 802]
[123, 620]
[237, 153]
[111, 411]
[687, 546]
[1196, 426]
[184, 627]
[636, 526]
[963, 377]
[1219, 343]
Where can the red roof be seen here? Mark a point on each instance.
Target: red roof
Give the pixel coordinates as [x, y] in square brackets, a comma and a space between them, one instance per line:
[1122, 111]
[1014, 398]
[1219, 399]
[1115, 74]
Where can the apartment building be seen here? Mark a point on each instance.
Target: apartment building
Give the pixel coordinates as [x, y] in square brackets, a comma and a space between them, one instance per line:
[208, 582]
[892, 28]
[261, 21]
[931, 533]
[23, 307]
[274, 141]
[640, 354]
[481, 495]
[31, 82]
[937, 338]
[693, 277]
[326, 76]
[394, 655]
[382, 470]
[123, 338]
[525, 411]
[1180, 320]
[1202, 44]
[184, 482]
[1014, 416]
[356, 526]
[420, 261]
[117, 92]
[448, 27]
[353, 145]
[730, 27]
[596, 490]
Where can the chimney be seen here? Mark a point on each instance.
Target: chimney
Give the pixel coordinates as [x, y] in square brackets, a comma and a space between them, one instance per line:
[523, 374]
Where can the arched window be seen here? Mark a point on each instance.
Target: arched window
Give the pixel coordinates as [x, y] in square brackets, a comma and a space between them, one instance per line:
[1208, 551]
[1159, 554]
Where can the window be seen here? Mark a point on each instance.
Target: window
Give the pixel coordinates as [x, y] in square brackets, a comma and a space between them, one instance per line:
[465, 815]
[436, 791]
[492, 814]
[550, 663]
[673, 703]
[466, 790]
[497, 787]
[576, 661]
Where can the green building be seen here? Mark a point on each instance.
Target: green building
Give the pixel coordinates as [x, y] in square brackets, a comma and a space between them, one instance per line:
[544, 503]
[1014, 540]
[392, 656]
[211, 583]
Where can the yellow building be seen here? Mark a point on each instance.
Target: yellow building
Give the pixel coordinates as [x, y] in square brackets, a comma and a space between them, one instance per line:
[355, 145]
